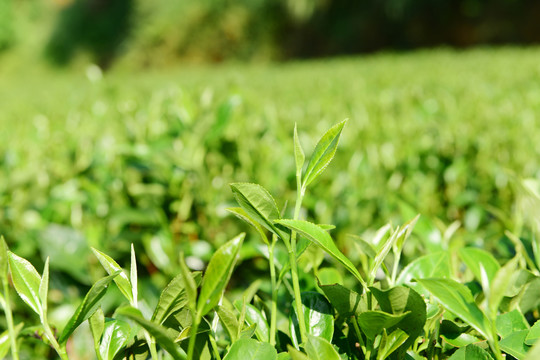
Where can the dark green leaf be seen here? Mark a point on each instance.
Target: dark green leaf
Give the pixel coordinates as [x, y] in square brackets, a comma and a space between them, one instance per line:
[318, 316]
[346, 301]
[373, 322]
[157, 331]
[250, 349]
[88, 306]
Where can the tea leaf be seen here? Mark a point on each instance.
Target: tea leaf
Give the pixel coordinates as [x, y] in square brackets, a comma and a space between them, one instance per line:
[44, 287]
[241, 214]
[133, 276]
[173, 298]
[322, 239]
[318, 317]
[254, 316]
[111, 267]
[500, 284]
[88, 306]
[157, 331]
[511, 322]
[26, 281]
[3, 260]
[324, 153]
[217, 274]
[97, 325]
[458, 299]
[319, 348]
[189, 283]
[259, 205]
[534, 334]
[475, 259]
[471, 352]
[390, 343]
[346, 301]
[373, 322]
[514, 344]
[250, 349]
[433, 265]
[115, 337]
[229, 322]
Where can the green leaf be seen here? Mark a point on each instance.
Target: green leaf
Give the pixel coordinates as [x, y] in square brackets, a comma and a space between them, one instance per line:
[97, 325]
[111, 267]
[254, 316]
[260, 206]
[324, 153]
[511, 322]
[428, 266]
[115, 337]
[318, 317]
[3, 260]
[390, 343]
[241, 214]
[250, 349]
[217, 274]
[458, 299]
[534, 334]
[471, 352]
[320, 237]
[346, 301]
[296, 354]
[133, 276]
[399, 300]
[229, 322]
[189, 283]
[157, 331]
[476, 259]
[88, 306]
[500, 284]
[5, 343]
[514, 344]
[299, 156]
[44, 288]
[373, 322]
[26, 281]
[173, 298]
[456, 335]
[534, 352]
[329, 276]
[319, 348]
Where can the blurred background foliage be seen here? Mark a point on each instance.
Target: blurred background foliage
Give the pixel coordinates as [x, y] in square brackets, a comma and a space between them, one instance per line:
[162, 31]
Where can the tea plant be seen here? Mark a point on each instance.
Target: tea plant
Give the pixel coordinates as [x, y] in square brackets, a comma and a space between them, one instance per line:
[321, 303]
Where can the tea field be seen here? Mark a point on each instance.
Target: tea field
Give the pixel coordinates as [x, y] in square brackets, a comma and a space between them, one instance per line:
[137, 166]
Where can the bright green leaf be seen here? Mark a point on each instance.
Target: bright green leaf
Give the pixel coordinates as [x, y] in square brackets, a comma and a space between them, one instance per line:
[500, 284]
[111, 267]
[229, 322]
[458, 299]
[534, 334]
[318, 317]
[217, 274]
[250, 349]
[319, 348]
[299, 156]
[471, 352]
[243, 215]
[259, 204]
[189, 283]
[3, 260]
[26, 281]
[44, 287]
[324, 153]
[115, 337]
[428, 266]
[97, 325]
[475, 259]
[511, 322]
[322, 239]
[514, 344]
[133, 276]
[88, 306]
[390, 343]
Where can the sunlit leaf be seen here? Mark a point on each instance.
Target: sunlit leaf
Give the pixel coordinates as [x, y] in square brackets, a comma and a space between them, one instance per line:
[250, 349]
[111, 267]
[26, 281]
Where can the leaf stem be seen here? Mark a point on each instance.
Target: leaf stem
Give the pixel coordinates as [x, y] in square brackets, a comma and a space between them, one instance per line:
[9, 320]
[52, 339]
[273, 311]
[193, 335]
[294, 268]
